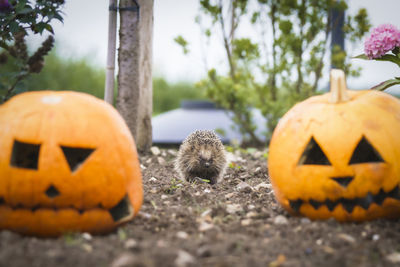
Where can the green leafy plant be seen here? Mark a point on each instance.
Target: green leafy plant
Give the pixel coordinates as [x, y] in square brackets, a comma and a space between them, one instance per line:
[18, 19]
[281, 64]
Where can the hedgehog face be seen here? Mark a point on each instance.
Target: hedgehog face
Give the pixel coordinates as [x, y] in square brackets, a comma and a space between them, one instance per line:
[205, 158]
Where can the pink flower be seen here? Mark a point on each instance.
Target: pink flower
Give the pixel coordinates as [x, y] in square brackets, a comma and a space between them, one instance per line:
[383, 39]
[5, 6]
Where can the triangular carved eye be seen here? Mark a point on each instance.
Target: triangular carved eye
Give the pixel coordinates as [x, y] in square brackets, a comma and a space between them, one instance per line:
[313, 155]
[364, 153]
[76, 156]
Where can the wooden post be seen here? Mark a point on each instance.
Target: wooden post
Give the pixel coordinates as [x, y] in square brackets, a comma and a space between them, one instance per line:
[134, 100]
[112, 34]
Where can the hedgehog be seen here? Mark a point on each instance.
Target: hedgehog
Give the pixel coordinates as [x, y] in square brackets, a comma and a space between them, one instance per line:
[201, 157]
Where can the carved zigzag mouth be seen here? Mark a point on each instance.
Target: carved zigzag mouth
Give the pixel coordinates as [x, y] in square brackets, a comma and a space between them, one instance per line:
[348, 203]
[119, 213]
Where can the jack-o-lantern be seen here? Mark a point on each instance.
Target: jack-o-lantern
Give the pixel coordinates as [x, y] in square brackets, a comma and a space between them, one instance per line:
[337, 155]
[67, 163]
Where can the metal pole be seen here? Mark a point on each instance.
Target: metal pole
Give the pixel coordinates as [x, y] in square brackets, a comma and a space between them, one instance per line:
[337, 30]
[112, 35]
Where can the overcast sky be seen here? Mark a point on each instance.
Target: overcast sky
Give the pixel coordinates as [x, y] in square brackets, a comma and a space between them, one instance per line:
[84, 33]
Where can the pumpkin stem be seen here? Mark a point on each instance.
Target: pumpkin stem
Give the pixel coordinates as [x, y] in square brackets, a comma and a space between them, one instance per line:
[338, 87]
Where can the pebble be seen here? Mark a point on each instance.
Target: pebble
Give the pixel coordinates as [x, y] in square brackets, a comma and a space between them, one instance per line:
[87, 247]
[251, 207]
[142, 167]
[130, 243]
[153, 179]
[155, 150]
[182, 235]
[364, 234]
[161, 161]
[251, 214]
[246, 222]
[280, 220]
[328, 249]
[172, 152]
[205, 226]
[144, 215]
[204, 251]
[230, 195]
[244, 187]
[233, 208]
[164, 196]
[262, 186]
[305, 220]
[124, 260]
[347, 238]
[206, 213]
[375, 237]
[161, 243]
[393, 257]
[258, 154]
[319, 242]
[87, 236]
[184, 259]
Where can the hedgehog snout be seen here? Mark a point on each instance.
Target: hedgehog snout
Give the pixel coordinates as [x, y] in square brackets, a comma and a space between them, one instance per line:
[205, 162]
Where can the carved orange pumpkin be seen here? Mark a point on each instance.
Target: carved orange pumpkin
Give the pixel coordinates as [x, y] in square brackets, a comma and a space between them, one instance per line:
[67, 163]
[337, 155]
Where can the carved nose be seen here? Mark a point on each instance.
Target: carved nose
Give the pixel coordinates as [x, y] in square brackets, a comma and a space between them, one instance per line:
[344, 181]
[52, 191]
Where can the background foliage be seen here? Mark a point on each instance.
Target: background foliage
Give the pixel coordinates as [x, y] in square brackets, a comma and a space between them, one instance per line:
[81, 74]
[19, 19]
[283, 64]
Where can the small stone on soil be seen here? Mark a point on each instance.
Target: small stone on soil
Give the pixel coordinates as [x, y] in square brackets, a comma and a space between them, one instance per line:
[230, 195]
[205, 226]
[130, 243]
[87, 236]
[161, 161]
[347, 238]
[251, 214]
[184, 259]
[244, 187]
[124, 260]
[246, 222]
[262, 186]
[86, 247]
[305, 220]
[280, 219]
[375, 237]
[393, 257]
[155, 150]
[182, 235]
[233, 208]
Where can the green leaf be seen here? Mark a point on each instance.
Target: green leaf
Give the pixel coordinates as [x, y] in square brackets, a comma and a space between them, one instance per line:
[40, 27]
[183, 43]
[58, 17]
[49, 28]
[387, 57]
[391, 58]
[386, 84]
[14, 27]
[20, 6]
[25, 10]
[362, 56]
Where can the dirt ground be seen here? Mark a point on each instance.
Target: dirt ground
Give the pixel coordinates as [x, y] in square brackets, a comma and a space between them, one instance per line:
[234, 223]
